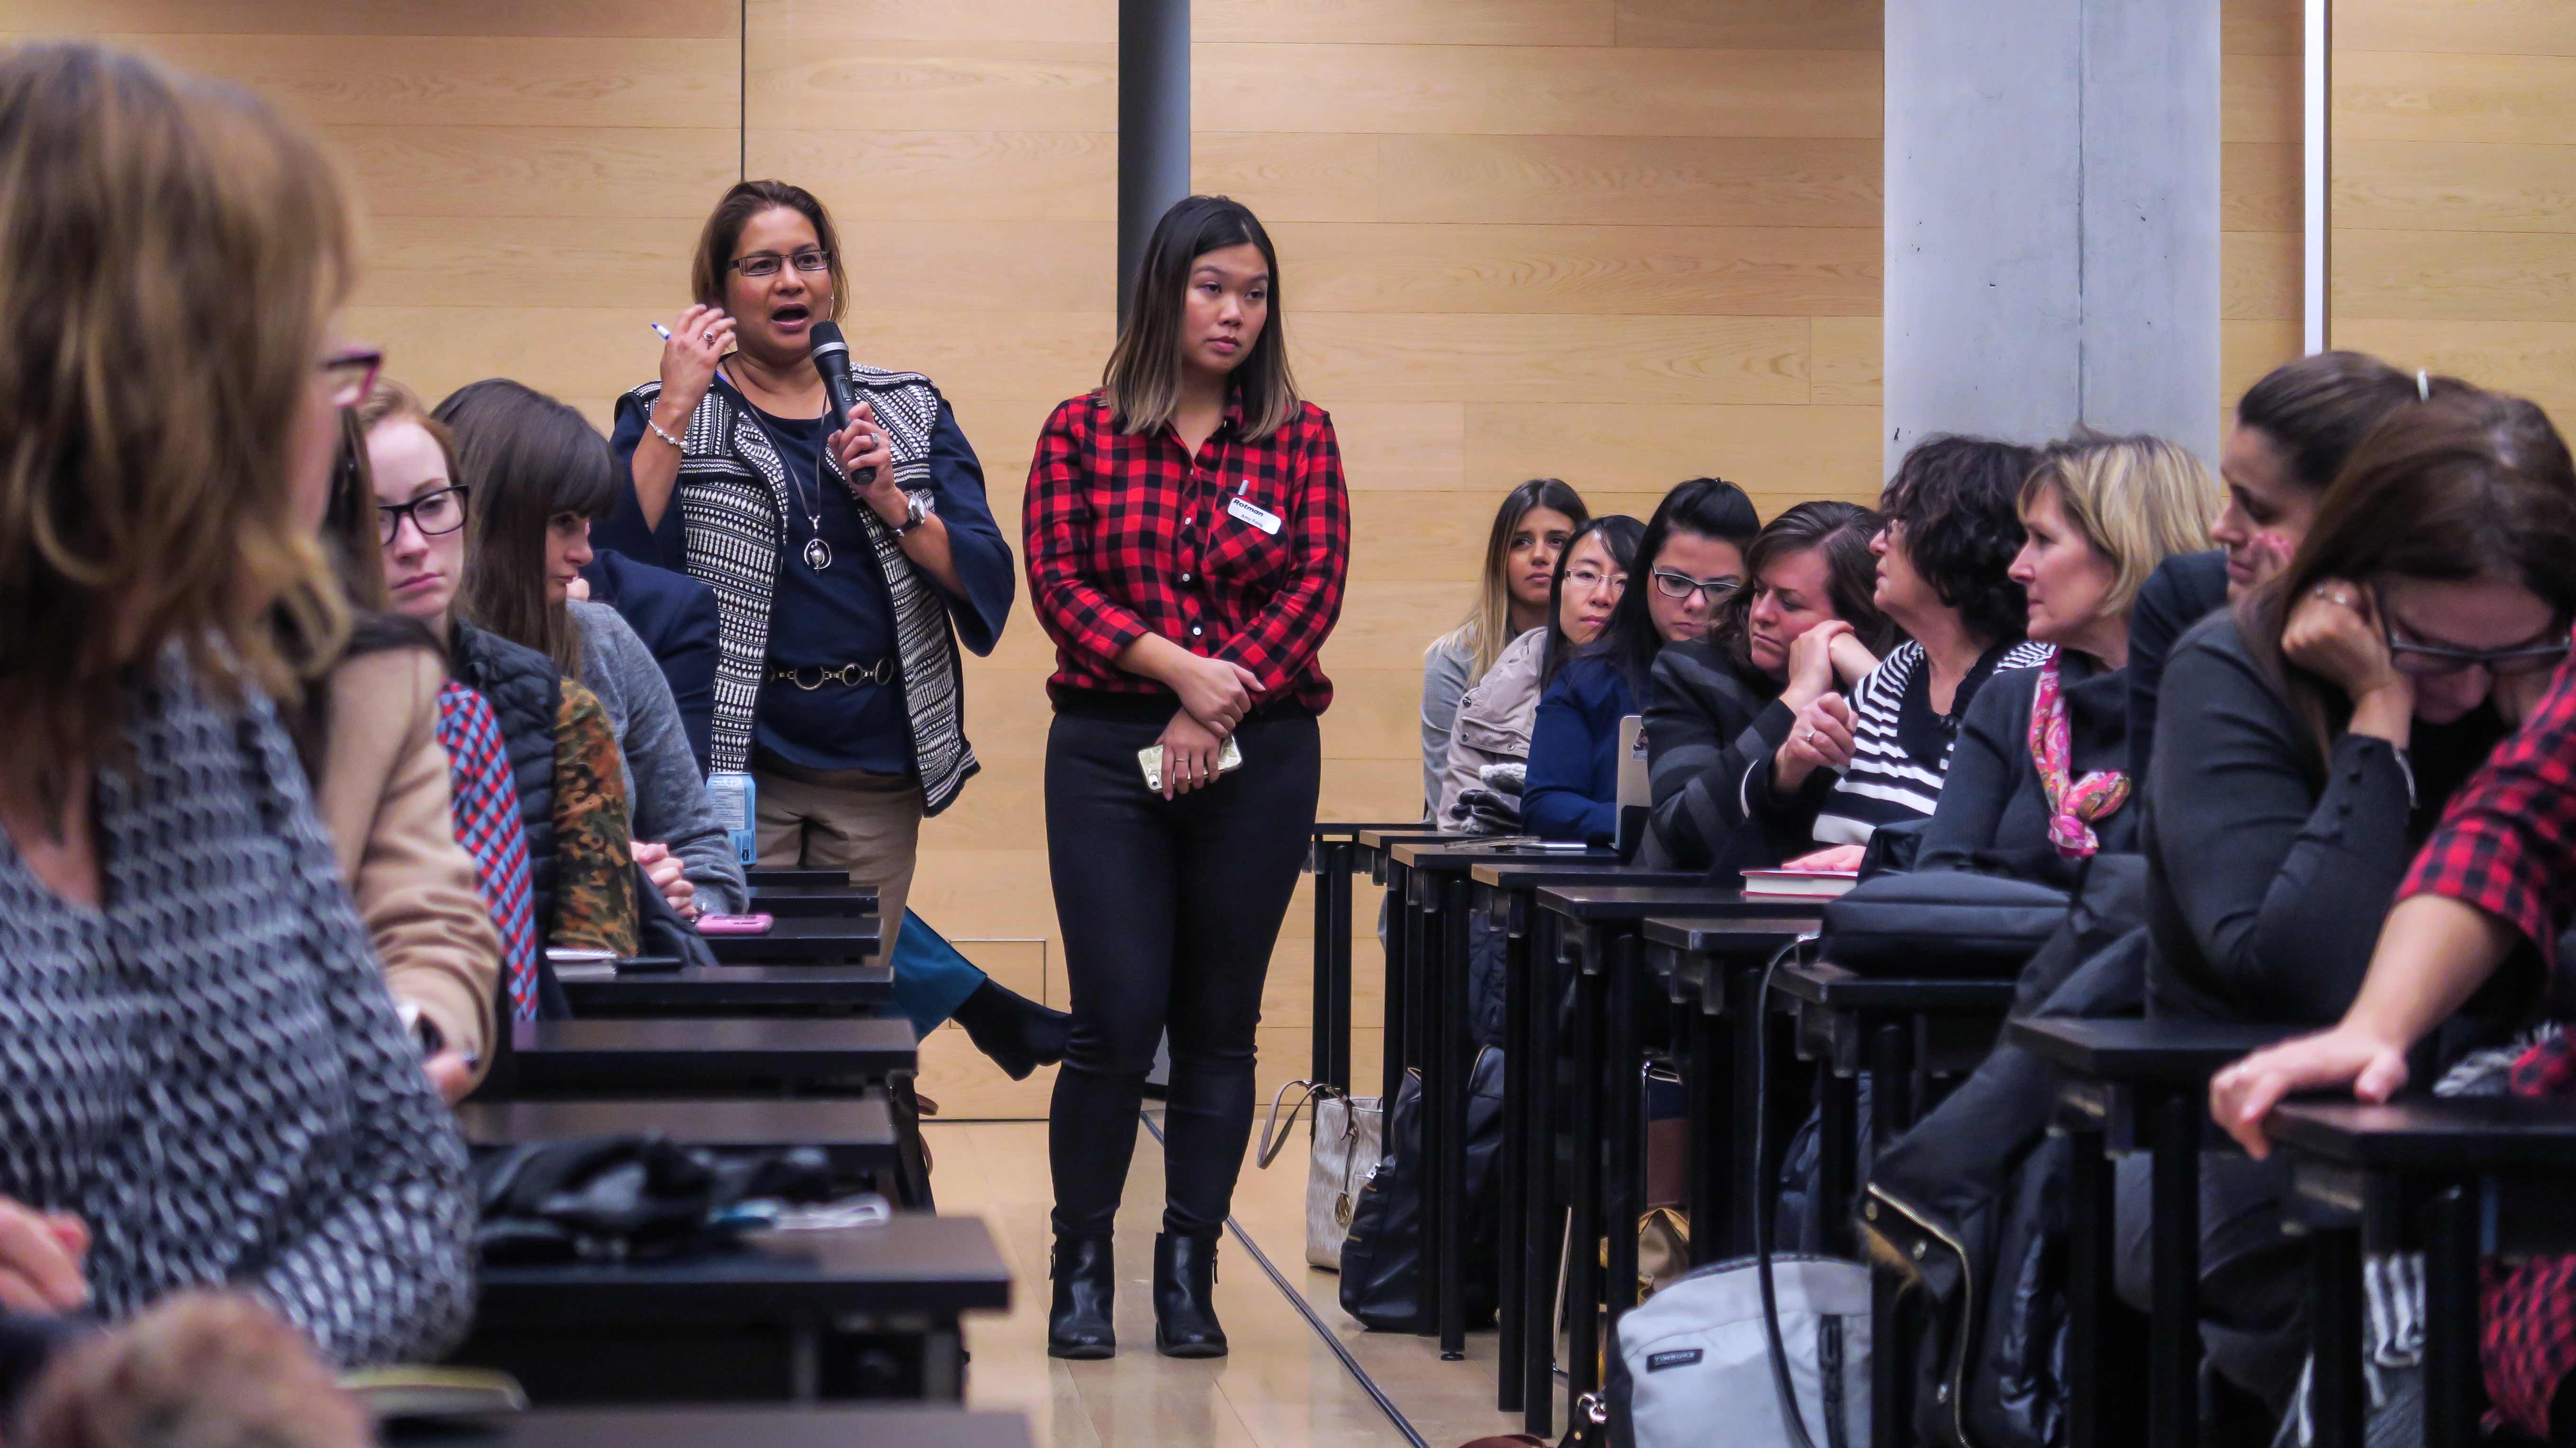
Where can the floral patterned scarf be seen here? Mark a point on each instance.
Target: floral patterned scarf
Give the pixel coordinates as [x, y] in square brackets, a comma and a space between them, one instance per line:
[2073, 804]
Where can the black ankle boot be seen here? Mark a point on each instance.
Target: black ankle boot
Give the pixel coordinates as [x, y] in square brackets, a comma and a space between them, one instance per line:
[1185, 1324]
[1086, 1283]
[1018, 1033]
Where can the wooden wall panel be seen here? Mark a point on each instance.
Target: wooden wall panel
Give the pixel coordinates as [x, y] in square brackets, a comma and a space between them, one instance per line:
[1621, 242]
[2454, 190]
[2261, 260]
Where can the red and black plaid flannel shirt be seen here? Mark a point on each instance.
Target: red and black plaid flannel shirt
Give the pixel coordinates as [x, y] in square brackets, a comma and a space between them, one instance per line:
[1130, 535]
[2507, 845]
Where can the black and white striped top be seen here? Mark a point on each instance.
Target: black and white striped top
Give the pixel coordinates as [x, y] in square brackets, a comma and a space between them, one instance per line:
[1887, 782]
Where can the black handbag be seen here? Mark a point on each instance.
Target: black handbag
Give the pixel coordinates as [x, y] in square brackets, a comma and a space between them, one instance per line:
[1382, 1283]
[1941, 923]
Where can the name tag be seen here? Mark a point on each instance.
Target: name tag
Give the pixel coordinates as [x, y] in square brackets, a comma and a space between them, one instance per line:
[1254, 514]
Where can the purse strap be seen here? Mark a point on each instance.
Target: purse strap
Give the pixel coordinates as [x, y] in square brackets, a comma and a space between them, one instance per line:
[1274, 1133]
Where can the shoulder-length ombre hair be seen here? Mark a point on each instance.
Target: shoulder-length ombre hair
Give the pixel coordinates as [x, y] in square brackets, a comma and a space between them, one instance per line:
[528, 460]
[1487, 630]
[1143, 379]
[170, 256]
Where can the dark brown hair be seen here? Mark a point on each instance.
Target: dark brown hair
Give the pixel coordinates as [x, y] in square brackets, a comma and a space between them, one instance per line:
[1143, 379]
[2317, 409]
[1957, 500]
[747, 199]
[170, 255]
[529, 460]
[2469, 484]
[1843, 531]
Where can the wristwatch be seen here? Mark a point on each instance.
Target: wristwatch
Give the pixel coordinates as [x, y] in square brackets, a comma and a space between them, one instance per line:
[917, 508]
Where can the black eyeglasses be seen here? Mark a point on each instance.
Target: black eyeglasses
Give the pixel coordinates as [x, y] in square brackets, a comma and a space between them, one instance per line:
[432, 513]
[766, 263]
[2425, 661]
[1682, 585]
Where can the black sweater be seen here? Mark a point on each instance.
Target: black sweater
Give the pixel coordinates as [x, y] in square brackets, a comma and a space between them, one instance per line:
[1993, 815]
[1709, 719]
[2268, 878]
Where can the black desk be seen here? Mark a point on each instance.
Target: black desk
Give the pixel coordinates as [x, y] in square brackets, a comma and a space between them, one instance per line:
[2461, 1179]
[762, 879]
[801, 902]
[888, 1426]
[2131, 1085]
[1332, 856]
[733, 990]
[856, 1135]
[830, 941]
[562, 1057]
[800, 1316]
[1602, 920]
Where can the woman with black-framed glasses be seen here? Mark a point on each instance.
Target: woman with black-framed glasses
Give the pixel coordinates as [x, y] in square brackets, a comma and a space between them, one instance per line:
[2310, 738]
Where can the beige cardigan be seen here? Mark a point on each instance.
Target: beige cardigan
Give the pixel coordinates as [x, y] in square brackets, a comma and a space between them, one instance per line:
[383, 799]
[1495, 717]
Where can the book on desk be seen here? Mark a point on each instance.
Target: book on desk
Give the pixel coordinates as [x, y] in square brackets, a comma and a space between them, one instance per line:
[1798, 884]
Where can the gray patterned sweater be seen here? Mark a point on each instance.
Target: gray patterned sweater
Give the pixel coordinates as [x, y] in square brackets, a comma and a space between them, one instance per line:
[209, 1072]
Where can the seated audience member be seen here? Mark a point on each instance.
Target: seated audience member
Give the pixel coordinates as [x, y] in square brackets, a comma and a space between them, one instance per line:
[203, 1082]
[368, 734]
[1720, 704]
[2311, 736]
[1531, 531]
[201, 1370]
[567, 774]
[1944, 555]
[675, 616]
[538, 474]
[1495, 716]
[2294, 427]
[1693, 555]
[2038, 778]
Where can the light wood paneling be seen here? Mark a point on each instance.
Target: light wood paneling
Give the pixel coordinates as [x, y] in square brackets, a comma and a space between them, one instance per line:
[1818, 25]
[453, 80]
[1643, 181]
[1648, 270]
[850, 23]
[645, 19]
[2454, 191]
[1403, 22]
[1432, 357]
[2261, 257]
[802, 83]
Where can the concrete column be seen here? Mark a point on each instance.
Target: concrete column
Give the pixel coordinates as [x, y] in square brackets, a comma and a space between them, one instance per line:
[2052, 219]
[1153, 124]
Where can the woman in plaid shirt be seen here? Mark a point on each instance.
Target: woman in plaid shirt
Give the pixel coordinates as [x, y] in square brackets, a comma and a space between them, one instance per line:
[1187, 537]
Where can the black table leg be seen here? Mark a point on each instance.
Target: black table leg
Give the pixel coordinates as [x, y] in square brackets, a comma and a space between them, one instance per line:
[1744, 1173]
[1450, 1043]
[1424, 1010]
[1712, 1090]
[1624, 1182]
[1837, 1159]
[2096, 1415]
[1319, 863]
[2173, 1349]
[1583, 1270]
[1510, 1356]
[1535, 939]
[2337, 1407]
[1395, 1040]
[2453, 1395]
[1337, 884]
[1891, 1379]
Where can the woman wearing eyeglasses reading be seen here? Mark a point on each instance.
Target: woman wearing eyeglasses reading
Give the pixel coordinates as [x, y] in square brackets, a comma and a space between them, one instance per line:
[1780, 651]
[1690, 560]
[2311, 736]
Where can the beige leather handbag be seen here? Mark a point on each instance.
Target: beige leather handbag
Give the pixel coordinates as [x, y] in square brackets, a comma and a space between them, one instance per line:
[1349, 1135]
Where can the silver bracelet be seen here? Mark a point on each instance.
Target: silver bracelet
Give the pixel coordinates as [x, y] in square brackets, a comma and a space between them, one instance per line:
[675, 443]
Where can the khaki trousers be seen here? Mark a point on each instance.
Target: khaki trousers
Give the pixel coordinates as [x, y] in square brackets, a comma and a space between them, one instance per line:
[843, 819]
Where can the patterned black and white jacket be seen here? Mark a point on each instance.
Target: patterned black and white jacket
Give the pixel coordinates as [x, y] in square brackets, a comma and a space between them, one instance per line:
[209, 1072]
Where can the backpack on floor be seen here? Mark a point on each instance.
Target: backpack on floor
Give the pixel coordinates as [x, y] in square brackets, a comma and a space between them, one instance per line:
[1383, 1286]
[1696, 1355]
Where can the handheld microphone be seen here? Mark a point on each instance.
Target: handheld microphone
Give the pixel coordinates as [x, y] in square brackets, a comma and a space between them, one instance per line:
[832, 361]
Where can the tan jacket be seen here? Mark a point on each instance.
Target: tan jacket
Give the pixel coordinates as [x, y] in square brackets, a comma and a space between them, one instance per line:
[1493, 726]
[383, 798]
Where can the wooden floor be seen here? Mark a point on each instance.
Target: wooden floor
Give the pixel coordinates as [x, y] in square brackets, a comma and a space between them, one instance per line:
[1283, 1386]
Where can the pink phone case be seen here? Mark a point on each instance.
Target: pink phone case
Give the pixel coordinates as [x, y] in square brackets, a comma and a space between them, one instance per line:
[734, 924]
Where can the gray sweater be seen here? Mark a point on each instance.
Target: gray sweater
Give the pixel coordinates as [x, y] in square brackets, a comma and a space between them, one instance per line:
[668, 795]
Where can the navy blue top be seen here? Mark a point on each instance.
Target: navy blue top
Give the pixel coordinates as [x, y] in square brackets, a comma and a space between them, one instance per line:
[1572, 790]
[842, 614]
[676, 617]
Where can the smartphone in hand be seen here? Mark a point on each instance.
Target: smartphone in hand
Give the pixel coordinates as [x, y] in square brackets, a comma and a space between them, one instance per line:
[735, 924]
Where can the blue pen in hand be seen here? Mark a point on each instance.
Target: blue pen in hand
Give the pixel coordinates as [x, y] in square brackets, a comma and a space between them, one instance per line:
[658, 327]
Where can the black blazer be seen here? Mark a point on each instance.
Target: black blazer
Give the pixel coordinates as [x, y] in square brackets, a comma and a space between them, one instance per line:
[1993, 814]
[675, 616]
[1709, 720]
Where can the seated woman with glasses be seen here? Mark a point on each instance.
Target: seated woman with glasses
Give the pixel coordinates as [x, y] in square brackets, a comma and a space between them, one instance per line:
[2311, 738]
[1693, 550]
[561, 746]
[1804, 630]
[1878, 756]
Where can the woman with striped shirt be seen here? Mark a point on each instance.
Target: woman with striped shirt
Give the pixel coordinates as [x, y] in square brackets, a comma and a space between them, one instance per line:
[1950, 536]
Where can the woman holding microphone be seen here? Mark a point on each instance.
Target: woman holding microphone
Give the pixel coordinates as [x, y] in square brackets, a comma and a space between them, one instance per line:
[1187, 536]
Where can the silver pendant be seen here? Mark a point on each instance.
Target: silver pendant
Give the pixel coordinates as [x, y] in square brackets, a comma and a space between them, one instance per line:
[818, 554]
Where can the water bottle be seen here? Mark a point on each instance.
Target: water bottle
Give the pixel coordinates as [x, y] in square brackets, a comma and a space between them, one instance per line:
[737, 802]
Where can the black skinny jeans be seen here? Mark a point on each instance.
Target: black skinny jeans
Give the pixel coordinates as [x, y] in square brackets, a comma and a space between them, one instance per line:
[1170, 910]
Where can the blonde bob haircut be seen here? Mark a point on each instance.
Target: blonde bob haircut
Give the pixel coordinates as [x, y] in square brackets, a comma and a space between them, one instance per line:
[170, 256]
[2135, 500]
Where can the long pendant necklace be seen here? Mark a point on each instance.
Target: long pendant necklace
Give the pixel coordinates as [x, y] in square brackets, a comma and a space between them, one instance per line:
[818, 553]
